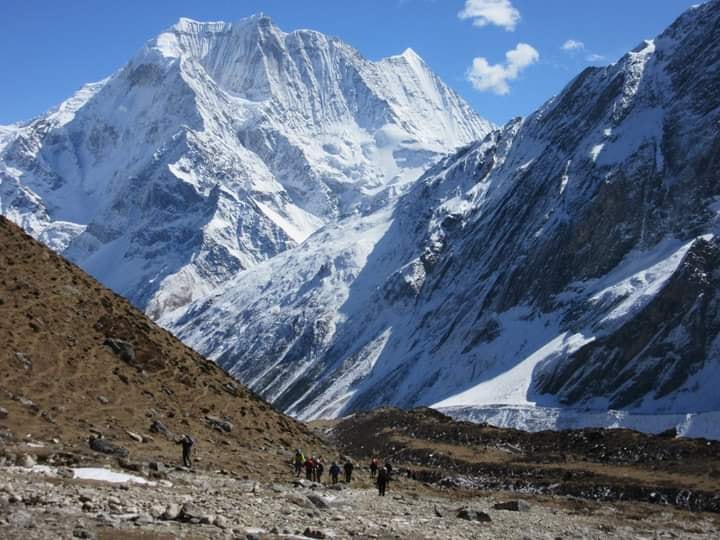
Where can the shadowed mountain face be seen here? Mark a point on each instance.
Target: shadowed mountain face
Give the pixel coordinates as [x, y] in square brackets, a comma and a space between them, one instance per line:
[76, 357]
[566, 259]
[219, 146]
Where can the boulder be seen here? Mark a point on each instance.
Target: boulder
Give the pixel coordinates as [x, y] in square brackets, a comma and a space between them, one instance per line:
[3, 413]
[23, 360]
[106, 447]
[20, 520]
[513, 506]
[79, 532]
[133, 466]
[222, 522]
[172, 512]
[144, 519]
[299, 500]
[134, 436]
[158, 427]
[27, 461]
[314, 533]
[192, 514]
[219, 424]
[123, 349]
[158, 467]
[473, 515]
[318, 501]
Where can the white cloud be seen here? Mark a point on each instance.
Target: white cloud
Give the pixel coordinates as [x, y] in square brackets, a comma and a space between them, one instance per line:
[573, 45]
[594, 57]
[495, 77]
[498, 12]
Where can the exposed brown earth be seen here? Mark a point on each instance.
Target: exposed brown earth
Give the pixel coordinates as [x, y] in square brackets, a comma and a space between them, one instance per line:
[76, 358]
[598, 464]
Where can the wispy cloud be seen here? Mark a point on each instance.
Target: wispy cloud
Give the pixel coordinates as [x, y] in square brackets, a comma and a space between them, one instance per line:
[495, 78]
[572, 45]
[595, 57]
[497, 12]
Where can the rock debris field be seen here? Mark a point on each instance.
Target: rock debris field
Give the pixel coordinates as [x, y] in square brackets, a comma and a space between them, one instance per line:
[42, 502]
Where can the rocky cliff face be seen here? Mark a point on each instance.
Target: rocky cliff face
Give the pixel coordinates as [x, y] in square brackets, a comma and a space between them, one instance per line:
[219, 146]
[542, 265]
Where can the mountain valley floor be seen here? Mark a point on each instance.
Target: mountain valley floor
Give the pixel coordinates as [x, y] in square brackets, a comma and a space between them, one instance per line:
[218, 504]
[458, 487]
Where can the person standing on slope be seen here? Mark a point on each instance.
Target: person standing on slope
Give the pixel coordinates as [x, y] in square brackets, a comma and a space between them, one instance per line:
[348, 471]
[382, 481]
[187, 443]
[309, 466]
[373, 467]
[298, 461]
[334, 472]
[319, 468]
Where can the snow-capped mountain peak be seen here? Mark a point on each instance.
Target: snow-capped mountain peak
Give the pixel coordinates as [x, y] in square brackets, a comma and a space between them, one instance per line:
[567, 262]
[220, 145]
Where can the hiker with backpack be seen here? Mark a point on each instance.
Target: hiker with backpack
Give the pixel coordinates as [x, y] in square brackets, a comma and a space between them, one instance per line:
[334, 472]
[373, 467]
[187, 443]
[383, 477]
[389, 470]
[319, 468]
[348, 471]
[298, 461]
[309, 469]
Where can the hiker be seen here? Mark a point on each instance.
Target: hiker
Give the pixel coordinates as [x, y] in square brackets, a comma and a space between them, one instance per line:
[348, 471]
[334, 472]
[309, 466]
[187, 443]
[373, 467]
[382, 481]
[389, 470]
[298, 461]
[319, 468]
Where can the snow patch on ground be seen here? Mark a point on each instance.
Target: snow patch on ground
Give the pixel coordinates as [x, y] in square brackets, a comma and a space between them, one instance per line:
[106, 475]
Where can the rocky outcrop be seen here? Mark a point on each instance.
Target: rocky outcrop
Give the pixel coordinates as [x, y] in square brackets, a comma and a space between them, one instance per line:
[657, 351]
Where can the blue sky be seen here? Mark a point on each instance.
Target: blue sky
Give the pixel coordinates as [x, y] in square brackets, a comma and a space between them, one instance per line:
[49, 48]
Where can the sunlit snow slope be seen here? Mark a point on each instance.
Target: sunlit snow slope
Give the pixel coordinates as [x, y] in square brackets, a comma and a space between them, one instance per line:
[219, 146]
[567, 262]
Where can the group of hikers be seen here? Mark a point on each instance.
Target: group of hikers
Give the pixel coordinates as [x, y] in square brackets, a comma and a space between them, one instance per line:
[315, 466]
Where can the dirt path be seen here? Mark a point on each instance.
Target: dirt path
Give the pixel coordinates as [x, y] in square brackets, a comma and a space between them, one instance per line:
[222, 506]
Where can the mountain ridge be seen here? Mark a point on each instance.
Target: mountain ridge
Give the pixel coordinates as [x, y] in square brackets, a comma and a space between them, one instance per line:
[504, 260]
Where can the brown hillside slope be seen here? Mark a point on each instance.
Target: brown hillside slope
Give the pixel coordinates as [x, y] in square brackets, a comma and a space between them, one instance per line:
[60, 378]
